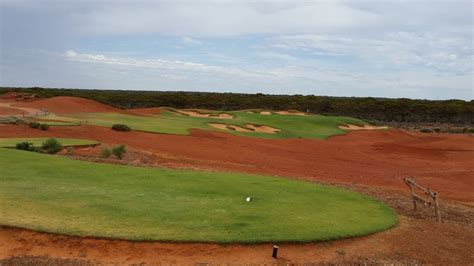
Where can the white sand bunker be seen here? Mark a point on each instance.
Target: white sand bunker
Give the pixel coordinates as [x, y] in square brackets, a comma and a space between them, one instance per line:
[204, 115]
[249, 128]
[263, 129]
[364, 127]
[291, 113]
[265, 113]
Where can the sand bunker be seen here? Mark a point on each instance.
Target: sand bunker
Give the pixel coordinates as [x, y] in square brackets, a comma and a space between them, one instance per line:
[197, 114]
[263, 129]
[291, 113]
[265, 113]
[364, 127]
[250, 128]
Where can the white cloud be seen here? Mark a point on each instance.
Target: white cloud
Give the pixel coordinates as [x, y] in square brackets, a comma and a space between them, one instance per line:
[402, 49]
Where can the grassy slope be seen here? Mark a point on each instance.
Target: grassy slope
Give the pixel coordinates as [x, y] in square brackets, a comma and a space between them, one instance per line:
[57, 194]
[11, 142]
[313, 126]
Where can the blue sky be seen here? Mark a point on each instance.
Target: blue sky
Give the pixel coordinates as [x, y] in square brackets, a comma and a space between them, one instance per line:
[384, 48]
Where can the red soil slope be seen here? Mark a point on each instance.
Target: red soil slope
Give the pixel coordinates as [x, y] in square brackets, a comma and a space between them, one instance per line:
[65, 104]
[442, 162]
[10, 111]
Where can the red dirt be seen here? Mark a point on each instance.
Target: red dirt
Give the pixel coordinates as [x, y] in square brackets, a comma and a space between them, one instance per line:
[406, 243]
[361, 160]
[375, 158]
[65, 104]
[10, 111]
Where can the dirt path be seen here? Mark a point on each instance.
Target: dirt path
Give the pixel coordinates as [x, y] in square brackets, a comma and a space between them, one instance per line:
[7, 109]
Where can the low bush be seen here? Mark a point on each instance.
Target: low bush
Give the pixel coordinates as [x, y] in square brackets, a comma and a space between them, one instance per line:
[426, 130]
[105, 153]
[26, 146]
[52, 146]
[12, 120]
[44, 126]
[119, 151]
[121, 127]
[34, 124]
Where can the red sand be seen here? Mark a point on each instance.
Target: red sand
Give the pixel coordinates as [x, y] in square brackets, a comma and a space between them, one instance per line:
[375, 159]
[407, 243]
[10, 111]
[65, 104]
[442, 162]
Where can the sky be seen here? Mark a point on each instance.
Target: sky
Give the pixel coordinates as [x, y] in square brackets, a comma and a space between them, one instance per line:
[382, 48]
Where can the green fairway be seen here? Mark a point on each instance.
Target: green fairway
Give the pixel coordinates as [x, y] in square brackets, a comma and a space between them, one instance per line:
[61, 195]
[168, 122]
[11, 142]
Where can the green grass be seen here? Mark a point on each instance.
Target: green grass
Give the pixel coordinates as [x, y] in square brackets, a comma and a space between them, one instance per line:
[11, 142]
[61, 195]
[167, 122]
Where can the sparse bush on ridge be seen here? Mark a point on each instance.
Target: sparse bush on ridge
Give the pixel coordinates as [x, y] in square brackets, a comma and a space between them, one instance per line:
[105, 153]
[26, 146]
[121, 127]
[52, 146]
[12, 120]
[44, 126]
[34, 124]
[119, 151]
[426, 130]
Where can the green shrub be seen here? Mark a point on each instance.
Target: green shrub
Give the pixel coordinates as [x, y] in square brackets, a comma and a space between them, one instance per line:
[121, 127]
[119, 151]
[12, 120]
[34, 124]
[52, 146]
[470, 130]
[105, 153]
[437, 130]
[426, 130]
[44, 126]
[26, 146]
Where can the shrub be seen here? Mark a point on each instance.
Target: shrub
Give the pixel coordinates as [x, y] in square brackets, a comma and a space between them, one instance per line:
[34, 124]
[105, 153]
[426, 130]
[119, 151]
[12, 120]
[470, 130]
[52, 146]
[26, 146]
[44, 126]
[437, 130]
[121, 127]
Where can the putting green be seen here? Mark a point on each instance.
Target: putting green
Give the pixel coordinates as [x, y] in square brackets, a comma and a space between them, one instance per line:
[61, 195]
[169, 122]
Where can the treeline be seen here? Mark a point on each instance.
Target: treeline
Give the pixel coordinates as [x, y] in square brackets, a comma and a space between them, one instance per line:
[456, 112]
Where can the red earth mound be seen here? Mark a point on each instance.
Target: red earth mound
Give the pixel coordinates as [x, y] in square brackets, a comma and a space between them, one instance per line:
[10, 111]
[65, 104]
